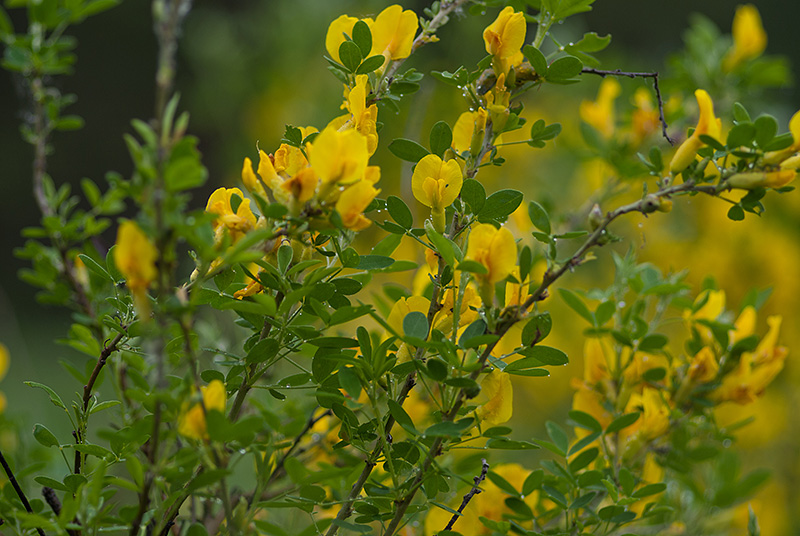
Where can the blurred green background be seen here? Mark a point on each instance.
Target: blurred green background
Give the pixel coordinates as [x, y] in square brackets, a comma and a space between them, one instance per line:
[248, 67]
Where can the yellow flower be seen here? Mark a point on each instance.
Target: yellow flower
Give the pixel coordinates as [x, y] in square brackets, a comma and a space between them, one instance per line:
[749, 37]
[497, 103]
[468, 132]
[339, 157]
[504, 39]
[644, 120]
[401, 308]
[364, 118]
[237, 223]
[393, 33]
[135, 257]
[653, 420]
[775, 157]
[707, 124]
[598, 354]
[762, 179]
[495, 249]
[250, 180]
[599, 114]
[436, 184]
[336, 34]
[640, 363]
[192, 420]
[756, 369]
[352, 203]
[303, 185]
[711, 310]
[703, 367]
[497, 391]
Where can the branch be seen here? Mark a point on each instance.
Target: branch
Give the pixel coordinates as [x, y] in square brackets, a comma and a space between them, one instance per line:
[654, 76]
[472, 492]
[17, 488]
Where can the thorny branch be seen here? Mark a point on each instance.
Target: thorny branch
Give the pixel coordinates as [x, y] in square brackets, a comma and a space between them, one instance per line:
[654, 76]
[472, 492]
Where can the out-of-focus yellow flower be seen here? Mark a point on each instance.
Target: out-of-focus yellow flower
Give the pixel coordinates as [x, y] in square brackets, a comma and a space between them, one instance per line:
[707, 124]
[640, 363]
[339, 157]
[238, 222]
[4, 360]
[352, 203]
[598, 359]
[495, 249]
[399, 311]
[393, 33]
[497, 391]
[497, 103]
[703, 366]
[749, 37]
[762, 179]
[781, 156]
[756, 369]
[744, 326]
[591, 401]
[135, 257]
[192, 419]
[436, 184]
[504, 39]
[644, 120]
[710, 310]
[653, 421]
[599, 114]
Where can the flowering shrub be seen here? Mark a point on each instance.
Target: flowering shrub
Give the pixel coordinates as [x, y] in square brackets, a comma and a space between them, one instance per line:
[276, 386]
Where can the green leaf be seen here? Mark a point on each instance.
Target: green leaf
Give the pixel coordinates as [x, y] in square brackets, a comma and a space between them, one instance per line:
[441, 138]
[415, 324]
[44, 436]
[533, 482]
[742, 134]
[546, 355]
[576, 304]
[766, 129]
[652, 342]
[648, 490]
[473, 267]
[558, 435]
[591, 42]
[500, 204]
[564, 69]
[436, 369]
[584, 420]
[54, 398]
[442, 245]
[334, 342]
[362, 37]
[583, 459]
[350, 55]
[740, 114]
[622, 422]
[374, 262]
[539, 217]
[285, 254]
[604, 312]
[349, 381]
[537, 59]
[736, 213]
[408, 150]
[371, 64]
[474, 195]
[402, 418]
[448, 429]
[537, 329]
[263, 350]
[93, 266]
[399, 211]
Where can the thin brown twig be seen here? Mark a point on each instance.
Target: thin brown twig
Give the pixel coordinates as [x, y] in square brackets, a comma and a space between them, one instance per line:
[630, 74]
[471, 493]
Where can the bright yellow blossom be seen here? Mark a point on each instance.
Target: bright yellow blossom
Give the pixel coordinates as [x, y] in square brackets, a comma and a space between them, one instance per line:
[364, 117]
[495, 249]
[497, 391]
[135, 257]
[436, 184]
[393, 33]
[644, 119]
[504, 39]
[352, 203]
[707, 124]
[192, 420]
[339, 157]
[469, 131]
[336, 34]
[237, 223]
[599, 114]
[749, 37]
[653, 420]
[497, 103]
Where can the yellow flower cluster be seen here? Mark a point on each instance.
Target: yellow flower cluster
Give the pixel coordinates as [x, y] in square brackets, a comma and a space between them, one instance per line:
[392, 31]
[504, 39]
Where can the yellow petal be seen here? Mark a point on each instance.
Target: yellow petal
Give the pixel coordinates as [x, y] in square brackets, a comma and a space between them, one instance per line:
[496, 386]
[339, 157]
[495, 248]
[435, 183]
[352, 203]
[393, 32]
[135, 257]
[335, 36]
